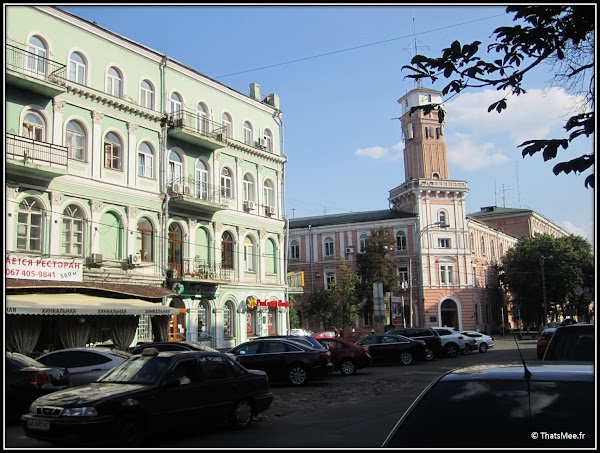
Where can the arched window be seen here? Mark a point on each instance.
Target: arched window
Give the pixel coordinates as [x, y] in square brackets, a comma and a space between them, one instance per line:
[248, 133]
[329, 248]
[72, 231]
[294, 250]
[248, 189]
[114, 82]
[175, 252]
[77, 68]
[226, 181]
[201, 180]
[249, 255]
[202, 120]
[227, 250]
[400, 240]
[482, 245]
[175, 168]
[176, 105]
[145, 160]
[34, 126]
[75, 141]
[146, 94]
[111, 236]
[492, 250]
[112, 152]
[30, 215]
[227, 123]
[228, 319]
[36, 60]
[271, 257]
[362, 240]
[268, 194]
[144, 244]
[443, 218]
[268, 136]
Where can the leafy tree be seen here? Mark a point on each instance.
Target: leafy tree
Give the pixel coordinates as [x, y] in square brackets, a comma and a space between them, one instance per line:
[321, 305]
[344, 294]
[561, 36]
[571, 265]
[294, 319]
[373, 266]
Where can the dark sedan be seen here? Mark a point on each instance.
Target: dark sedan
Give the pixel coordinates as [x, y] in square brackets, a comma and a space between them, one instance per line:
[386, 348]
[26, 379]
[150, 393]
[346, 356]
[284, 359]
[541, 407]
[171, 346]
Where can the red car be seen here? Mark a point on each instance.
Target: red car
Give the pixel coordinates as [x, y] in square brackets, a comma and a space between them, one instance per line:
[346, 356]
[327, 334]
[543, 341]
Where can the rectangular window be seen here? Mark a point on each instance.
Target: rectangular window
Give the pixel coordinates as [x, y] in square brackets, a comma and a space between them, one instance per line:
[446, 275]
[295, 251]
[329, 248]
[444, 243]
[402, 273]
[475, 282]
[112, 156]
[329, 280]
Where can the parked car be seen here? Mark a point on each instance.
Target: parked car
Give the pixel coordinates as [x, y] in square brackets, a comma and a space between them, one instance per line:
[543, 341]
[327, 334]
[452, 341]
[484, 341]
[354, 335]
[85, 365]
[171, 346]
[575, 342]
[346, 357]
[284, 359]
[26, 379]
[387, 348]
[302, 339]
[534, 408]
[553, 324]
[301, 332]
[145, 395]
[431, 338]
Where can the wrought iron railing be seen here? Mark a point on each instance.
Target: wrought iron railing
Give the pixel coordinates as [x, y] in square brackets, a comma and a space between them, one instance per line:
[192, 121]
[196, 189]
[28, 63]
[32, 151]
[198, 268]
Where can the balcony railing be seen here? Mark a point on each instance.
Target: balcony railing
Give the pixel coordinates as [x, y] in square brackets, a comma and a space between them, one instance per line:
[30, 64]
[30, 151]
[193, 188]
[199, 269]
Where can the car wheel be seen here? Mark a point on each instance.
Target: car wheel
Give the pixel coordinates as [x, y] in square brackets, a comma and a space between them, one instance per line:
[129, 431]
[483, 347]
[348, 367]
[466, 350]
[406, 358]
[241, 415]
[451, 350]
[297, 375]
[429, 354]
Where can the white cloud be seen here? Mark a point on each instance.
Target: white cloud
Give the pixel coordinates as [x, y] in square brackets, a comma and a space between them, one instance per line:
[466, 153]
[577, 231]
[381, 153]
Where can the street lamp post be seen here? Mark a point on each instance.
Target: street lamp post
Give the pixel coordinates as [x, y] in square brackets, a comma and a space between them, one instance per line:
[542, 259]
[439, 224]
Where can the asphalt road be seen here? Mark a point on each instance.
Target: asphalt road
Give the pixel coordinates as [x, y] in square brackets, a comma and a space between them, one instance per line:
[335, 412]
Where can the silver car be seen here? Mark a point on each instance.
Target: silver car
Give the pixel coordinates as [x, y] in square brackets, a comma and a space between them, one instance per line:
[484, 342]
[85, 365]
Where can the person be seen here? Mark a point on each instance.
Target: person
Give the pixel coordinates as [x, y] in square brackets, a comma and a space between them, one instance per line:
[337, 334]
[180, 373]
[341, 332]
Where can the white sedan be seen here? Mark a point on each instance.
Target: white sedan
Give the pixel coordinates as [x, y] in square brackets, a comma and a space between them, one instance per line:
[484, 342]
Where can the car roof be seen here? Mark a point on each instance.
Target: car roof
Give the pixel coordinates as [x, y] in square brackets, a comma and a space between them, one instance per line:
[555, 372]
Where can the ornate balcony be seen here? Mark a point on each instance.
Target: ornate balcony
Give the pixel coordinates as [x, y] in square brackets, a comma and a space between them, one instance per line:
[32, 157]
[190, 193]
[192, 128]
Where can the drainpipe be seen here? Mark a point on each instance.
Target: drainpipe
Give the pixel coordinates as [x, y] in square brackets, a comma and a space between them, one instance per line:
[163, 168]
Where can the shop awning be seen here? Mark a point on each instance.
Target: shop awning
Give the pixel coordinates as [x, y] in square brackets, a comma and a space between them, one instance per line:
[80, 304]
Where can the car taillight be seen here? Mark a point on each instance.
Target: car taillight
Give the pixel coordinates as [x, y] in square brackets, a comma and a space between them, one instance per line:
[40, 378]
[326, 355]
[460, 337]
[366, 349]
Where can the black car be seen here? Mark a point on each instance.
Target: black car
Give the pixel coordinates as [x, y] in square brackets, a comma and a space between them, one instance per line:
[26, 379]
[575, 342]
[388, 348]
[284, 359]
[303, 339]
[431, 338]
[171, 346]
[549, 406]
[150, 393]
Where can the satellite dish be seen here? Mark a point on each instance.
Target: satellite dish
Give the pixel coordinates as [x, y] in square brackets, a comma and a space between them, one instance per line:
[178, 287]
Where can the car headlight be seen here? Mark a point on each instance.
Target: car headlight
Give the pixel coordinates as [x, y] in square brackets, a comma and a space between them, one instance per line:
[79, 412]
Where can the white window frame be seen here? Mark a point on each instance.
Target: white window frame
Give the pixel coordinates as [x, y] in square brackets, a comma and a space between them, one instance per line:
[249, 255]
[268, 193]
[329, 279]
[77, 69]
[329, 247]
[294, 250]
[446, 274]
[75, 140]
[248, 188]
[145, 160]
[226, 183]
[248, 133]
[146, 94]
[114, 82]
[401, 240]
[113, 152]
[72, 234]
[444, 243]
[30, 217]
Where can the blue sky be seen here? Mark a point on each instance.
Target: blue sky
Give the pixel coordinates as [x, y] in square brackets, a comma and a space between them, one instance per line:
[338, 72]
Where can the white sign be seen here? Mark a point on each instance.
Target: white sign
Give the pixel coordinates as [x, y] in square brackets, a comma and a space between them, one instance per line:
[29, 268]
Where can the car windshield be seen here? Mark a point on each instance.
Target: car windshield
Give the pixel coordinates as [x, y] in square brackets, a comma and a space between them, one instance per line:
[137, 370]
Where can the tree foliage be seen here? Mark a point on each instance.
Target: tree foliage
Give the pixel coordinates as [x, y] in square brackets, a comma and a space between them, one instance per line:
[373, 266]
[321, 304]
[561, 36]
[571, 265]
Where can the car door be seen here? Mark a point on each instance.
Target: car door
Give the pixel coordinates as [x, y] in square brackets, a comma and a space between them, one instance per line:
[248, 354]
[376, 350]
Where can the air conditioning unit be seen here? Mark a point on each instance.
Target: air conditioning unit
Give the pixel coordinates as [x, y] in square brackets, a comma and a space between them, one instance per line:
[270, 210]
[248, 205]
[187, 190]
[135, 259]
[262, 142]
[96, 258]
[176, 187]
[349, 249]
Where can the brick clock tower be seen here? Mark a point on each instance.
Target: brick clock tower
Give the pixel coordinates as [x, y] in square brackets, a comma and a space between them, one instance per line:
[443, 253]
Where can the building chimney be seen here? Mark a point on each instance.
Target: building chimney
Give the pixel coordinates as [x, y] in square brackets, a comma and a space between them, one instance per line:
[255, 91]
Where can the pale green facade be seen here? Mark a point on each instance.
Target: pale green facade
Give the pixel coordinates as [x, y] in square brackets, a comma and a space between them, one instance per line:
[147, 171]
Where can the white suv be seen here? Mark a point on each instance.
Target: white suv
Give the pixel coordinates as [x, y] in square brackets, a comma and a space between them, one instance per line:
[453, 341]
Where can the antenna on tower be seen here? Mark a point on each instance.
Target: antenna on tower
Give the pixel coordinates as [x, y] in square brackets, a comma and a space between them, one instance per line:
[415, 47]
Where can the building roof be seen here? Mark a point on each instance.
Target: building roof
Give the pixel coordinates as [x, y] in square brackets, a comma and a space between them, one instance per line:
[350, 217]
[495, 211]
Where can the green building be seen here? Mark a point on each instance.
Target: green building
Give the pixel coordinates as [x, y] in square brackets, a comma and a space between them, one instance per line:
[147, 178]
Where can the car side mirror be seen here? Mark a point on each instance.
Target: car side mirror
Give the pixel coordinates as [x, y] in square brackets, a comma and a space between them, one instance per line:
[172, 381]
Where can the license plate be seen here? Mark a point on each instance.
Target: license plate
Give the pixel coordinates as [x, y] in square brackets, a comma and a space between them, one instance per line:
[38, 425]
